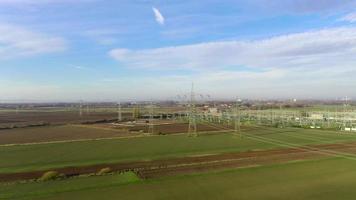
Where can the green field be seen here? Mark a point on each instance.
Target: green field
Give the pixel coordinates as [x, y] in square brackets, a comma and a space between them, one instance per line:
[332, 178]
[45, 156]
[327, 178]
[31, 190]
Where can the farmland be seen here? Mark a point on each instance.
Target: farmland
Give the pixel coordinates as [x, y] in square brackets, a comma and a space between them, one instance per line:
[74, 132]
[23, 118]
[305, 180]
[53, 133]
[55, 155]
[302, 180]
[219, 160]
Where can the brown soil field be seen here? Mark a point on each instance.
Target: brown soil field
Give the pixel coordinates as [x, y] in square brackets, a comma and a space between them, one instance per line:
[159, 168]
[55, 133]
[56, 117]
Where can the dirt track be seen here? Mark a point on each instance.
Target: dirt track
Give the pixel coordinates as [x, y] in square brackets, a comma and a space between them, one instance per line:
[158, 168]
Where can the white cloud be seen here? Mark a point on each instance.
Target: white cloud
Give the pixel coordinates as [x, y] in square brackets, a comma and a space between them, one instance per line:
[349, 18]
[159, 17]
[17, 41]
[311, 64]
[315, 49]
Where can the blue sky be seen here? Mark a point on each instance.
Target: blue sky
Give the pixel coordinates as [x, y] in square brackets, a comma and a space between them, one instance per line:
[103, 50]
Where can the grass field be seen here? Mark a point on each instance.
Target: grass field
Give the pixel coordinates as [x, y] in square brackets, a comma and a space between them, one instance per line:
[329, 177]
[31, 190]
[46, 156]
[332, 178]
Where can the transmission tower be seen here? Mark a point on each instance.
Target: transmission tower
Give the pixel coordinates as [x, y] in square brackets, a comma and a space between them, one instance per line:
[272, 116]
[237, 117]
[119, 116]
[281, 114]
[151, 127]
[81, 108]
[192, 129]
[259, 114]
[346, 103]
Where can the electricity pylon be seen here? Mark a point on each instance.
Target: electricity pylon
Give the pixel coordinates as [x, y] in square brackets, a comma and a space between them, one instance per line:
[237, 118]
[192, 129]
[281, 114]
[258, 112]
[272, 116]
[80, 108]
[119, 115]
[151, 127]
[346, 99]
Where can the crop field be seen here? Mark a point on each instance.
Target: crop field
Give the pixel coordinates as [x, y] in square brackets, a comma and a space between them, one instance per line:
[73, 132]
[160, 163]
[10, 117]
[31, 190]
[21, 158]
[55, 133]
[52, 117]
[305, 180]
[300, 180]
[44, 156]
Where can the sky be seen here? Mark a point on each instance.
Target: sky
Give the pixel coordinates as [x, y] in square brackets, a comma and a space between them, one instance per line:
[111, 50]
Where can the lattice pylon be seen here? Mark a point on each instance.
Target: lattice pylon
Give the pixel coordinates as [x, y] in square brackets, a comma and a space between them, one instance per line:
[119, 115]
[151, 126]
[192, 128]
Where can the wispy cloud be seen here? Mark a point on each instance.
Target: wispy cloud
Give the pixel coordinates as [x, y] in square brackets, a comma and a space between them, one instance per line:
[329, 47]
[159, 17]
[285, 66]
[349, 18]
[18, 41]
